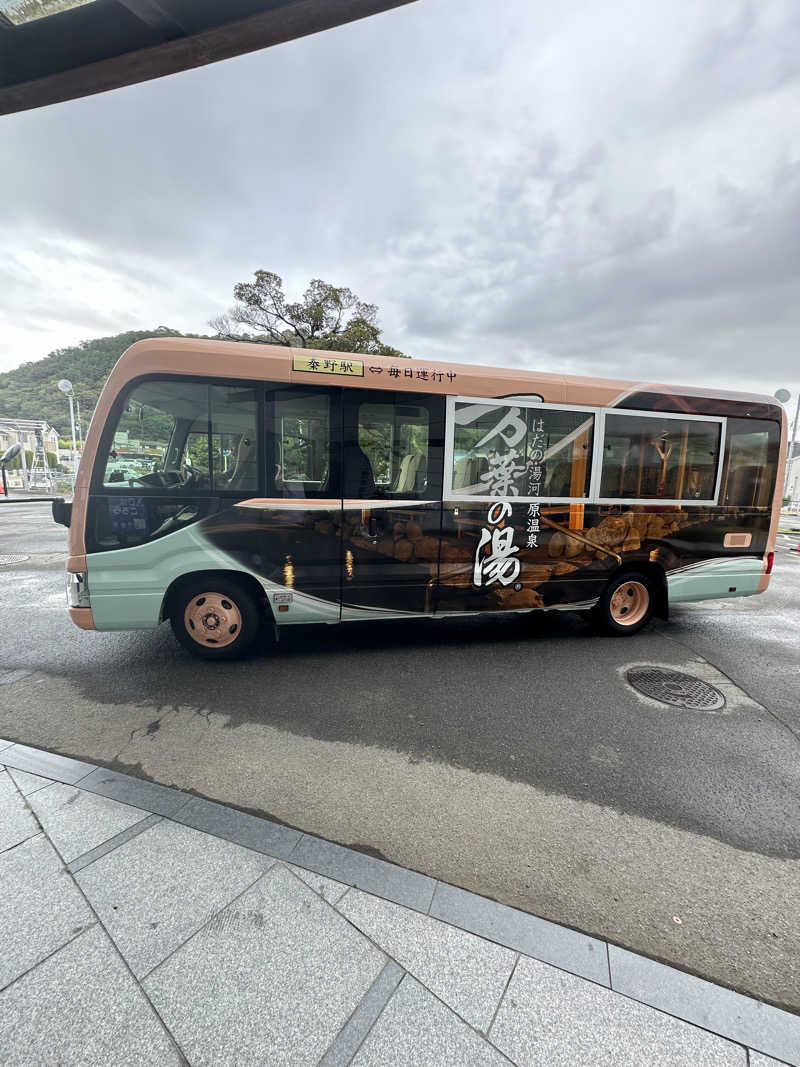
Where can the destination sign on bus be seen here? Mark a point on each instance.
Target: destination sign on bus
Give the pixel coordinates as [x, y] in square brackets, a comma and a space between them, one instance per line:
[320, 365]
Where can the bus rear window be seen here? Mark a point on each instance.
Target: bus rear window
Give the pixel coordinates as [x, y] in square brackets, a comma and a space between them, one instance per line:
[752, 447]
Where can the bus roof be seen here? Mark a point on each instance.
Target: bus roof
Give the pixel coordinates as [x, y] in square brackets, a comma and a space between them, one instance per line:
[276, 363]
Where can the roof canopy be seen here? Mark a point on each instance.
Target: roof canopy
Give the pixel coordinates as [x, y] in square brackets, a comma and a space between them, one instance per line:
[54, 50]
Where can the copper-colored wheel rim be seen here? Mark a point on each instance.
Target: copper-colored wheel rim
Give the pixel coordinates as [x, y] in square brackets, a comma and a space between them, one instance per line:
[629, 603]
[212, 620]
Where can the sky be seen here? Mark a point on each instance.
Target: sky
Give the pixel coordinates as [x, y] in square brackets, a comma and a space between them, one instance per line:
[597, 189]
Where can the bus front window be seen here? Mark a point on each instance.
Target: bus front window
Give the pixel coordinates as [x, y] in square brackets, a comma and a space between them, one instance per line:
[185, 437]
[149, 447]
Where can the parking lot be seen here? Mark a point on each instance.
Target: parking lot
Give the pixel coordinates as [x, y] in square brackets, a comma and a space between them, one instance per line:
[508, 756]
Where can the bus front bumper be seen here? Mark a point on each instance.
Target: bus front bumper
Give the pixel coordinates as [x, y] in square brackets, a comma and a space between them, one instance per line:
[82, 617]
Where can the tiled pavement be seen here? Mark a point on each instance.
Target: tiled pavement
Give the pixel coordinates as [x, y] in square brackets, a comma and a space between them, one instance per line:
[142, 925]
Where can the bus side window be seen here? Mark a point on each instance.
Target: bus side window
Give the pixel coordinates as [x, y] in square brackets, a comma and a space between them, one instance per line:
[505, 449]
[751, 448]
[234, 438]
[299, 446]
[392, 447]
[649, 457]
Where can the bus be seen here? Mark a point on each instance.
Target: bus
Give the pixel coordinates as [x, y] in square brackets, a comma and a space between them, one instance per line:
[281, 486]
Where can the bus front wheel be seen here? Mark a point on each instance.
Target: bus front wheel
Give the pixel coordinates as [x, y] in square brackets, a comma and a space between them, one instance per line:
[626, 605]
[215, 618]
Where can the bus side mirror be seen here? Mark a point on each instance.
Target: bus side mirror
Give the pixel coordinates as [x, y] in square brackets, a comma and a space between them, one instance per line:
[62, 511]
[10, 453]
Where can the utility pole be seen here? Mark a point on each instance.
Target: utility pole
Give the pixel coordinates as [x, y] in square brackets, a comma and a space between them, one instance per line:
[80, 429]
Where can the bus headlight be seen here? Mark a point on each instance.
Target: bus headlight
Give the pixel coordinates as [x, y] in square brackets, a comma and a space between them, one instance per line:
[78, 590]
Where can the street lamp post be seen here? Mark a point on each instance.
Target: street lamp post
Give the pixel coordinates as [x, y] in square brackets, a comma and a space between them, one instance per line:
[783, 395]
[791, 445]
[65, 385]
[78, 420]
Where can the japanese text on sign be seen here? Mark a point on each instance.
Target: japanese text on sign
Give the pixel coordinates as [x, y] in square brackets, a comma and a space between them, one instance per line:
[496, 554]
[532, 529]
[534, 467]
[419, 374]
[325, 365]
[357, 368]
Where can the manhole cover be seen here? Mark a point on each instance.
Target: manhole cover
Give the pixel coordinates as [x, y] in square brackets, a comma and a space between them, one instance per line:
[676, 688]
[6, 561]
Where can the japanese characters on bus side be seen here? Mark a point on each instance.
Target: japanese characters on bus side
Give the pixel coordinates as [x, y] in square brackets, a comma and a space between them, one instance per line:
[532, 528]
[535, 471]
[355, 367]
[335, 366]
[496, 554]
[422, 374]
[505, 467]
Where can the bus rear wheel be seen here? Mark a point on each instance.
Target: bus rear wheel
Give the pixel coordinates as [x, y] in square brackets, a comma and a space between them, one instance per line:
[215, 618]
[626, 605]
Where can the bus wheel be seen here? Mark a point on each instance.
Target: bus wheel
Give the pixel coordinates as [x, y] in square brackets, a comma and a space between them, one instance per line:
[215, 619]
[626, 606]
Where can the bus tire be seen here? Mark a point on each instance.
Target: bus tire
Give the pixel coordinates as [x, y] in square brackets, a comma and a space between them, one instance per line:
[215, 618]
[626, 606]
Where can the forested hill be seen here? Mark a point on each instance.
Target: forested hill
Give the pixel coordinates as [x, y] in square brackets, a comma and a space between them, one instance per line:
[31, 390]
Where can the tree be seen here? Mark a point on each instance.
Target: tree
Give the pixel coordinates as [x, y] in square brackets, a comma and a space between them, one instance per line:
[326, 317]
[30, 390]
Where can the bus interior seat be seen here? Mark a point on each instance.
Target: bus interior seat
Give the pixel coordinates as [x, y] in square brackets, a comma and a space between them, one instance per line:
[404, 479]
[460, 472]
[744, 486]
[245, 470]
[560, 482]
[700, 481]
[411, 476]
[421, 475]
[465, 472]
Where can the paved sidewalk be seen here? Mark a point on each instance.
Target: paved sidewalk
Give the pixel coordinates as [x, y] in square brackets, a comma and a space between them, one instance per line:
[141, 925]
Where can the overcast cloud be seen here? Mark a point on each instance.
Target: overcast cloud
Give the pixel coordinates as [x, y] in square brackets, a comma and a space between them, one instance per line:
[609, 189]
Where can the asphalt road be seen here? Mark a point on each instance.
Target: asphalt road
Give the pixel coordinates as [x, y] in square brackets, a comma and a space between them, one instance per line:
[506, 755]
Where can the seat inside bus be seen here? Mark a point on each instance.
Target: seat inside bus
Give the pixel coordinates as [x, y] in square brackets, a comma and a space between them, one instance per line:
[467, 471]
[412, 475]
[245, 470]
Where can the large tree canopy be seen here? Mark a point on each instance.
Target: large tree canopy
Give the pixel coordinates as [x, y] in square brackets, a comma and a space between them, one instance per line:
[327, 316]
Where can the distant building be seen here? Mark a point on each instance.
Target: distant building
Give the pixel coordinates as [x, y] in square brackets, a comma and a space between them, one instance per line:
[40, 440]
[24, 431]
[793, 480]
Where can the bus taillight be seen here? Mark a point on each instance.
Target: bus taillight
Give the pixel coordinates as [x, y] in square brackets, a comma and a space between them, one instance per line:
[770, 561]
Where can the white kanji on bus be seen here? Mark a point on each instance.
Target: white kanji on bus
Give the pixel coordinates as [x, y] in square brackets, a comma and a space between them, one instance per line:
[511, 429]
[502, 473]
[495, 556]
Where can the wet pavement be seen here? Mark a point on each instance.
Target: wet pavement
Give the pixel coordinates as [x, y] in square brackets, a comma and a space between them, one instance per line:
[507, 756]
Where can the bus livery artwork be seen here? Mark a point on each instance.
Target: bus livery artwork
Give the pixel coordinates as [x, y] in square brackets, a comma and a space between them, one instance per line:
[328, 495]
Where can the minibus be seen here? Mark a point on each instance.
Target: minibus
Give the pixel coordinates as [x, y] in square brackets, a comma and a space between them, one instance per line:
[225, 486]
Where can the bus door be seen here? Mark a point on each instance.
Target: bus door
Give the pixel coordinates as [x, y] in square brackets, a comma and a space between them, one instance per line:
[302, 520]
[392, 491]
